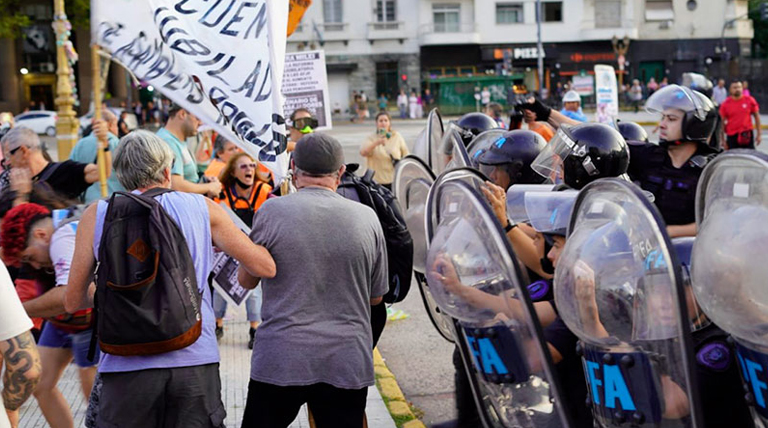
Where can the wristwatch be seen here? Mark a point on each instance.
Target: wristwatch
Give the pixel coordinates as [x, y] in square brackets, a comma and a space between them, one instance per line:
[509, 226]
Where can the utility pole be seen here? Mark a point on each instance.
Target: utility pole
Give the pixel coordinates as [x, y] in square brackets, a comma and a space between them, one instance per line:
[66, 124]
[539, 46]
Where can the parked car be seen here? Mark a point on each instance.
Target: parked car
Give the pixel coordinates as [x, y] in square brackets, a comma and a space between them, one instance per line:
[85, 121]
[40, 121]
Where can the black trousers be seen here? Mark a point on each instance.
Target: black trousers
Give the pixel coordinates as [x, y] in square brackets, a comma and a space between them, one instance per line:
[742, 140]
[272, 406]
[378, 321]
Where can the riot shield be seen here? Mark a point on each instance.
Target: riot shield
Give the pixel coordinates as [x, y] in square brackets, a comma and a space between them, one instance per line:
[475, 279]
[433, 132]
[449, 152]
[618, 287]
[483, 142]
[411, 185]
[729, 268]
[516, 199]
[473, 177]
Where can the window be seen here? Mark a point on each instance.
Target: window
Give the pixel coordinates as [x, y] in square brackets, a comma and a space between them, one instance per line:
[607, 13]
[446, 18]
[509, 13]
[385, 11]
[659, 10]
[332, 11]
[552, 11]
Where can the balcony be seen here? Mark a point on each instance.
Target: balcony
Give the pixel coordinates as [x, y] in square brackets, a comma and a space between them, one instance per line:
[603, 30]
[329, 32]
[386, 31]
[448, 34]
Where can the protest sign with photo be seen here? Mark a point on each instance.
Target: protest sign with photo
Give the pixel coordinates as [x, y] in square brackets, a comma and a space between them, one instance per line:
[225, 269]
[305, 84]
[222, 61]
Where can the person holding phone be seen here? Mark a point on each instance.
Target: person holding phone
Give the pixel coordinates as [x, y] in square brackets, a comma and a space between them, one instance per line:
[383, 149]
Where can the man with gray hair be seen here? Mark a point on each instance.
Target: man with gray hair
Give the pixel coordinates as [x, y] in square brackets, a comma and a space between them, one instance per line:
[314, 344]
[24, 155]
[85, 151]
[176, 388]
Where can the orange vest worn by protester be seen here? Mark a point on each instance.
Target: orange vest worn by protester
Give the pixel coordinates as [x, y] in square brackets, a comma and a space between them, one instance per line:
[244, 208]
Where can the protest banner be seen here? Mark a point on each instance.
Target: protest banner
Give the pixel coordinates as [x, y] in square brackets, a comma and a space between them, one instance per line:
[607, 97]
[225, 269]
[305, 84]
[222, 61]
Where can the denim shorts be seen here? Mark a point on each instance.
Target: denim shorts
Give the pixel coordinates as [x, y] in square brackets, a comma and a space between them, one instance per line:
[78, 342]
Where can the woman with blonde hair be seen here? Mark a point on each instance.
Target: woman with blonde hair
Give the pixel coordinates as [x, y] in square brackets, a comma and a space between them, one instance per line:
[383, 149]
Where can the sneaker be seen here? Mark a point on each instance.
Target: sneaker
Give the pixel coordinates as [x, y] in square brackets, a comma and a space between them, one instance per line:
[219, 332]
[252, 333]
[396, 314]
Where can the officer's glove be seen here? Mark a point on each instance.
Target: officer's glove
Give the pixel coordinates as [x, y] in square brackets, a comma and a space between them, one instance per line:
[534, 105]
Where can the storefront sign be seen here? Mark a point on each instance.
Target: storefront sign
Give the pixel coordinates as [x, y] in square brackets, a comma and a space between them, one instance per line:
[593, 57]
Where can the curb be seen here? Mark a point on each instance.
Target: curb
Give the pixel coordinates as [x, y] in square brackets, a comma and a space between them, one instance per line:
[398, 406]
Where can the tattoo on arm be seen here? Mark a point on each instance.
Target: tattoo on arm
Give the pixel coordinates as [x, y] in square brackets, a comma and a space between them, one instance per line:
[22, 371]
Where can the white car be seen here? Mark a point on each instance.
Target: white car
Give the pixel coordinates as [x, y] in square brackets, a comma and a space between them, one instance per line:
[131, 121]
[40, 121]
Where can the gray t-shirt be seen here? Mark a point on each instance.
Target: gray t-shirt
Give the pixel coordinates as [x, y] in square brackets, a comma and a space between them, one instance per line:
[331, 260]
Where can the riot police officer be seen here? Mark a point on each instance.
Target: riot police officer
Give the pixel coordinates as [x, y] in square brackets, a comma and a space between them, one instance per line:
[632, 133]
[472, 124]
[508, 160]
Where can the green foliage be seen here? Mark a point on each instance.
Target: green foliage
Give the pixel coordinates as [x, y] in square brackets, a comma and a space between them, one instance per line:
[760, 41]
[11, 19]
[78, 13]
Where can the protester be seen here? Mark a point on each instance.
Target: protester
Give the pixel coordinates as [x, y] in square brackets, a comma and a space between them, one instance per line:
[737, 112]
[243, 191]
[383, 149]
[23, 152]
[180, 126]
[315, 343]
[382, 102]
[402, 104]
[182, 387]
[636, 94]
[85, 151]
[485, 96]
[495, 111]
[223, 151]
[652, 86]
[719, 92]
[542, 128]
[572, 107]
[18, 351]
[34, 235]
[301, 123]
[745, 84]
[122, 125]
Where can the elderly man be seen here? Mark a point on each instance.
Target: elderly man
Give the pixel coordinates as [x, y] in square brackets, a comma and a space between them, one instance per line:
[176, 388]
[314, 345]
[85, 152]
[23, 153]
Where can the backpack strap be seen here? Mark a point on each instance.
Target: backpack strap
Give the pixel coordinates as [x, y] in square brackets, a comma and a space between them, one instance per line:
[156, 191]
[256, 199]
[49, 172]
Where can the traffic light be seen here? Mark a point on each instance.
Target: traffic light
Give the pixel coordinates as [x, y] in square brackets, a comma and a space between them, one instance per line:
[764, 11]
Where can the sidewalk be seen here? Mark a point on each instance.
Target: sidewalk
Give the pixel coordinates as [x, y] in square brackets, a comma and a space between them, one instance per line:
[235, 369]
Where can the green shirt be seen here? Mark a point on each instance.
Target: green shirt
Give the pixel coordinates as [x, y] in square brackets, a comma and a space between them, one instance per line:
[183, 163]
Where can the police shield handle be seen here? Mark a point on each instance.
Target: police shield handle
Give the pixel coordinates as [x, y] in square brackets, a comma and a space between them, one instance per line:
[100, 156]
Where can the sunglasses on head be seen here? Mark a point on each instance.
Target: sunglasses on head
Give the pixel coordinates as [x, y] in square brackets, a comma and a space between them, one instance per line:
[247, 166]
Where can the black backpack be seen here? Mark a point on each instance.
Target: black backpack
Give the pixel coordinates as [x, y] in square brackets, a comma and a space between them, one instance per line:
[396, 235]
[147, 301]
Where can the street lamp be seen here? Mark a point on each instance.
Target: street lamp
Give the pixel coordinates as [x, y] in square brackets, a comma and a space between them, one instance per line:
[66, 124]
[24, 71]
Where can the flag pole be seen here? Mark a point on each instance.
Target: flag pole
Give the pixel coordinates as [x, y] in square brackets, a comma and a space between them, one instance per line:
[100, 156]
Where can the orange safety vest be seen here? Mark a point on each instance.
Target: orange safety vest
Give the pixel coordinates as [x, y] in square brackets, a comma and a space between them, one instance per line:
[244, 208]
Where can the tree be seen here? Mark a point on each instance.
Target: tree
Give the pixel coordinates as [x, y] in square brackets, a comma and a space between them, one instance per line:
[760, 41]
[12, 20]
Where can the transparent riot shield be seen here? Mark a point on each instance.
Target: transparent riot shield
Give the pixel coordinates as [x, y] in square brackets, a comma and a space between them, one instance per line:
[472, 177]
[433, 132]
[730, 261]
[449, 152]
[411, 185]
[483, 142]
[476, 280]
[618, 287]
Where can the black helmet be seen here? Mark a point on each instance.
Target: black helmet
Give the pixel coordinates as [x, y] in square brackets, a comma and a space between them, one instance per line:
[633, 133]
[700, 118]
[583, 153]
[516, 150]
[472, 124]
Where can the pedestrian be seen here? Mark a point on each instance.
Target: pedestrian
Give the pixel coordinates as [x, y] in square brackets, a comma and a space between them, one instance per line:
[174, 388]
[18, 351]
[41, 239]
[382, 102]
[363, 107]
[652, 86]
[745, 84]
[23, 152]
[402, 104]
[636, 94]
[181, 125]
[85, 151]
[737, 112]
[122, 125]
[428, 99]
[495, 111]
[383, 149]
[572, 106]
[485, 96]
[223, 150]
[243, 190]
[664, 82]
[314, 345]
[413, 105]
[719, 92]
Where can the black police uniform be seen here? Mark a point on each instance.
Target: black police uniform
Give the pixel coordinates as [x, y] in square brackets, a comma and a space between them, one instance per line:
[720, 386]
[674, 188]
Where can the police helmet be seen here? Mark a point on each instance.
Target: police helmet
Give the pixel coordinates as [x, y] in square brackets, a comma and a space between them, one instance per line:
[700, 119]
[571, 97]
[583, 153]
[698, 82]
[633, 133]
[472, 124]
[515, 150]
